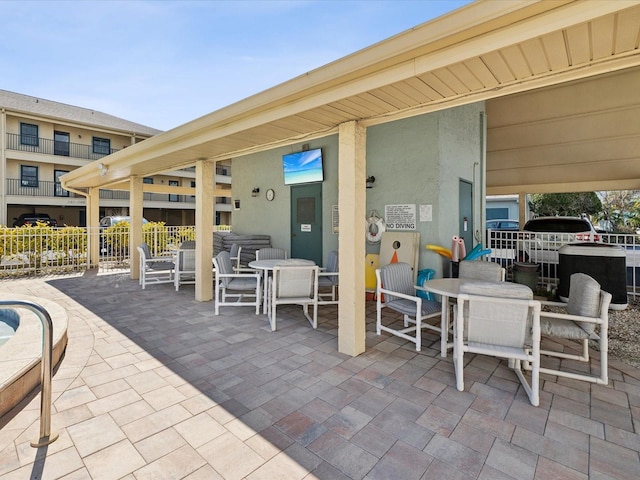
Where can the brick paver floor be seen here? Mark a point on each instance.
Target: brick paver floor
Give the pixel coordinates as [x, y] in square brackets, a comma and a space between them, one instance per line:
[154, 386]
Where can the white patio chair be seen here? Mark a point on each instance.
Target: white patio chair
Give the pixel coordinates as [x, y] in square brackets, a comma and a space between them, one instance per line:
[481, 270]
[328, 278]
[500, 320]
[236, 285]
[185, 272]
[587, 308]
[396, 290]
[154, 269]
[270, 253]
[234, 253]
[294, 285]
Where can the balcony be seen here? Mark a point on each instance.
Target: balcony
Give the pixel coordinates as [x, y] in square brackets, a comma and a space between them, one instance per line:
[49, 189]
[47, 146]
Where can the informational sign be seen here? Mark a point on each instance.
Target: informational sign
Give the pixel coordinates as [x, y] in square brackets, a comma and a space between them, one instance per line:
[335, 219]
[305, 227]
[426, 213]
[400, 217]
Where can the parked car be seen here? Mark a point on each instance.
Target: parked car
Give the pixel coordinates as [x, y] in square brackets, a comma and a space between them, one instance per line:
[33, 218]
[109, 221]
[550, 234]
[502, 224]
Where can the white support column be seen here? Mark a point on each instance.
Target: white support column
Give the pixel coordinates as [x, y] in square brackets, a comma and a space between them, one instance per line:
[522, 208]
[352, 206]
[136, 197]
[4, 220]
[93, 224]
[204, 229]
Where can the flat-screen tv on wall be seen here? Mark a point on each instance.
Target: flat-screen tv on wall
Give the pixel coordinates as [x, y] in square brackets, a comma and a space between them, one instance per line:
[303, 167]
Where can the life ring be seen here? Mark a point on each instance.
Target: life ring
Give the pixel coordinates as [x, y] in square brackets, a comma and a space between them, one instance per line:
[375, 228]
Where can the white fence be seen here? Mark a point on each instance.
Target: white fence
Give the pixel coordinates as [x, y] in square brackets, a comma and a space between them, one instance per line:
[47, 251]
[542, 248]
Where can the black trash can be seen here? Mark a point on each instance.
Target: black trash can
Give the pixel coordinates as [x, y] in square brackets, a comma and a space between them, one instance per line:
[605, 263]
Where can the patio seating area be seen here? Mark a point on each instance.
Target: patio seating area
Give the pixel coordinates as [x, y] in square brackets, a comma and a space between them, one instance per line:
[153, 385]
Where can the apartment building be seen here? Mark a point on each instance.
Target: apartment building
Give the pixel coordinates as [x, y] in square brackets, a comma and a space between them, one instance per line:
[40, 140]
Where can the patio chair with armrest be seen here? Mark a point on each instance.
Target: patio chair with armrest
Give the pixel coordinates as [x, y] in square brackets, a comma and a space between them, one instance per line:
[396, 290]
[500, 320]
[235, 285]
[185, 272]
[154, 269]
[294, 285]
[328, 278]
[271, 253]
[587, 309]
[481, 270]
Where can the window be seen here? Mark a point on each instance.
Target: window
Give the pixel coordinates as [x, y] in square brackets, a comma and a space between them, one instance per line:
[101, 146]
[172, 197]
[28, 176]
[61, 143]
[58, 191]
[147, 180]
[29, 134]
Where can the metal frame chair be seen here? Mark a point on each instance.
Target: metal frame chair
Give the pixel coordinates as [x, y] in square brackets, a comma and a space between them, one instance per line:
[294, 285]
[271, 253]
[154, 269]
[329, 278]
[587, 308]
[185, 270]
[231, 284]
[395, 283]
[500, 320]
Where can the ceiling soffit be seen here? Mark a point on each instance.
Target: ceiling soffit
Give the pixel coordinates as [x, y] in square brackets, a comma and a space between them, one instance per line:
[481, 51]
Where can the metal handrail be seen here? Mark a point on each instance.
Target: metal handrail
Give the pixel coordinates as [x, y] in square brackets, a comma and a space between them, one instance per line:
[46, 437]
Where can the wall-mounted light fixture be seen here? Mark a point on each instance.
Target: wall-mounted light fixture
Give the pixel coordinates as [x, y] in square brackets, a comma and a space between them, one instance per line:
[370, 181]
[103, 169]
[255, 192]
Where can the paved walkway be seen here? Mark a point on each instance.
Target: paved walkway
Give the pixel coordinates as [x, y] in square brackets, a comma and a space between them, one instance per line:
[154, 386]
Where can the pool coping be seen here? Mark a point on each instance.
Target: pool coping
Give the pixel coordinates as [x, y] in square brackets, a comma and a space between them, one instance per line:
[20, 356]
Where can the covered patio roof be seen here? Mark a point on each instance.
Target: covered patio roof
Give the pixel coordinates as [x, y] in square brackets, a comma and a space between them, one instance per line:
[482, 51]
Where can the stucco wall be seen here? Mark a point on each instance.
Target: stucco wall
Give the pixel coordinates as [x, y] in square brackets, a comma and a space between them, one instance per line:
[417, 160]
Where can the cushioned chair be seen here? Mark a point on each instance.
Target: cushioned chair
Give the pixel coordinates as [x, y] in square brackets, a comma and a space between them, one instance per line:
[154, 269]
[235, 285]
[185, 272]
[587, 308]
[501, 320]
[234, 253]
[329, 279]
[271, 253]
[481, 270]
[294, 285]
[396, 290]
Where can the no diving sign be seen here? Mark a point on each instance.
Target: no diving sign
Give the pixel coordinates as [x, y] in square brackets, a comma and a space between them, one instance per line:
[400, 217]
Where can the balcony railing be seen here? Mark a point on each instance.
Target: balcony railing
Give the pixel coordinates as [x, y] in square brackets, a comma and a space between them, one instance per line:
[47, 146]
[15, 186]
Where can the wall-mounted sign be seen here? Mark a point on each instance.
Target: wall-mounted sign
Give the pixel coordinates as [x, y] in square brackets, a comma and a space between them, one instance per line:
[305, 227]
[335, 219]
[400, 217]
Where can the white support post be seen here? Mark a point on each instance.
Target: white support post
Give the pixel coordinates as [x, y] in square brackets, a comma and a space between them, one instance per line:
[352, 209]
[205, 170]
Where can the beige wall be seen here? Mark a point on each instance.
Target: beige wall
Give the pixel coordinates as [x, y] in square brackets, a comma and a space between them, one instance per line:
[580, 136]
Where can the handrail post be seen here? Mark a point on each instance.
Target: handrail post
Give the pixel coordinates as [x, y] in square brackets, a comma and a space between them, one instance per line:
[46, 370]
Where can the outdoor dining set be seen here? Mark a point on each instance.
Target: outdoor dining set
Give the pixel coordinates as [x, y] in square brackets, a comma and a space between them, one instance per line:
[270, 280]
[477, 312]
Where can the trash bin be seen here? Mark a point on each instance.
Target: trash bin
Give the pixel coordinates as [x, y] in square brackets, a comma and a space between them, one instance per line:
[526, 274]
[605, 263]
[423, 276]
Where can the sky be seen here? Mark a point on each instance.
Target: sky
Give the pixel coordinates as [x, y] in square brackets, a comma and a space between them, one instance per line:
[164, 63]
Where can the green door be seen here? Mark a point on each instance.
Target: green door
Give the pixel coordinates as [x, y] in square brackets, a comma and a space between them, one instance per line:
[306, 222]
